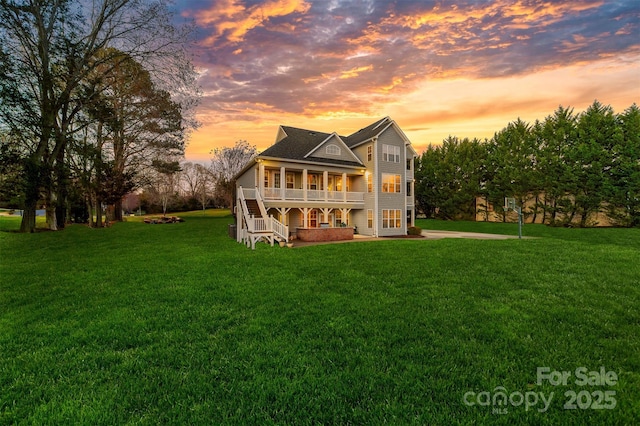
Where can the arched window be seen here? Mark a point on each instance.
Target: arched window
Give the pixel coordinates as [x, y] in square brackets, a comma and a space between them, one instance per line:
[333, 149]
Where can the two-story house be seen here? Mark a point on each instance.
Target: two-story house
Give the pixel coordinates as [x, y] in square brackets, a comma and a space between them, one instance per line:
[310, 179]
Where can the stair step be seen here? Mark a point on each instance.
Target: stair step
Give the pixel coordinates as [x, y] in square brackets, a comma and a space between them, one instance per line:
[254, 208]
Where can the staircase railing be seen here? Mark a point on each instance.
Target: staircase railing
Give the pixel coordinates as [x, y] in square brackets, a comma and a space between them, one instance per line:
[279, 229]
[264, 224]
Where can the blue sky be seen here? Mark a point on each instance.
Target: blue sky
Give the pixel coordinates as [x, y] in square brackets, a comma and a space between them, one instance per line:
[437, 68]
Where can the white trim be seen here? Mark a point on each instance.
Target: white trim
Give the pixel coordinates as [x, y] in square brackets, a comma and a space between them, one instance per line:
[344, 145]
[317, 163]
[382, 121]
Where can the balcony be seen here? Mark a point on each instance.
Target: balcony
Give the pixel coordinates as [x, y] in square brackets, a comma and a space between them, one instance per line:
[276, 194]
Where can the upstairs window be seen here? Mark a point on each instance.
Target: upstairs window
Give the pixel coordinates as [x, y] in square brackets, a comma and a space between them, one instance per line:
[390, 183]
[391, 153]
[290, 180]
[333, 149]
[370, 153]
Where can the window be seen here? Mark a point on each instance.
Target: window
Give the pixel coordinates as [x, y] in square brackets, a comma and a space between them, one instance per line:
[391, 153]
[409, 161]
[390, 183]
[338, 218]
[369, 218]
[276, 180]
[392, 218]
[312, 182]
[266, 179]
[290, 180]
[370, 153]
[369, 182]
[333, 149]
[408, 189]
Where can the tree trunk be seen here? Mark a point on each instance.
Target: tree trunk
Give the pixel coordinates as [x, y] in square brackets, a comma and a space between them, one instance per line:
[117, 211]
[52, 223]
[90, 210]
[535, 208]
[98, 207]
[61, 206]
[28, 223]
[32, 195]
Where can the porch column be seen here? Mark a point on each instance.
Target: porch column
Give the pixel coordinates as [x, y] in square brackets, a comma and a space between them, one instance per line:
[304, 186]
[283, 183]
[325, 184]
[261, 178]
[325, 214]
[344, 187]
[345, 215]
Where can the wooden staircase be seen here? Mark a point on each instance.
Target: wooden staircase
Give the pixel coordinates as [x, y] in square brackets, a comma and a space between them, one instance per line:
[255, 225]
[253, 208]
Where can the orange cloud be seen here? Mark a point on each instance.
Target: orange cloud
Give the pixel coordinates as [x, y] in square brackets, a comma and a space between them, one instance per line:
[354, 72]
[233, 20]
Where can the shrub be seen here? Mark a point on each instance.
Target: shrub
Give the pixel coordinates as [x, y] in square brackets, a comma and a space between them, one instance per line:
[414, 230]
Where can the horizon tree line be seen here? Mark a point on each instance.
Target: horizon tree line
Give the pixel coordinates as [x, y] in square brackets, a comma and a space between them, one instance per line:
[565, 168]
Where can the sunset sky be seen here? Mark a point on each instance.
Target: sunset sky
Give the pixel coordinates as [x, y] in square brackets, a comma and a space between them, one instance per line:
[464, 68]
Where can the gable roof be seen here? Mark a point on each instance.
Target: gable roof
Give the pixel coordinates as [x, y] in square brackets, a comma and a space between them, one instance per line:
[299, 143]
[367, 133]
[333, 138]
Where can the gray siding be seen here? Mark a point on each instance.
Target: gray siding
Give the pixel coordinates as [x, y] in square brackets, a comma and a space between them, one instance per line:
[391, 201]
[248, 178]
[360, 216]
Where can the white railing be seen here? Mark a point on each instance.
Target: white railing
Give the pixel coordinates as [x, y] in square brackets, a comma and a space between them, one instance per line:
[272, 193]
[312, 195]
[294, 194]
[280, 229]
[258, 224]
[315, 195]
[355, 196]
[249, 193]
[267, 225]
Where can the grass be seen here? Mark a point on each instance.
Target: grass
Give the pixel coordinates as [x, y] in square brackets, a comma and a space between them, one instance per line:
[179, 324]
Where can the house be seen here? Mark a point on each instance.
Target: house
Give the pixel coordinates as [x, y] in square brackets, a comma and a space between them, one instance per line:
[314, 180]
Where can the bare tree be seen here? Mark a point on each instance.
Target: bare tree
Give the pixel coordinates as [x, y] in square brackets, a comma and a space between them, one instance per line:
[227, 163]
[197, 183]
[167, 175]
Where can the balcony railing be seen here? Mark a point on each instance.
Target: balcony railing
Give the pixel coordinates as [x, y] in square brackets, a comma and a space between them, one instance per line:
[312, 195]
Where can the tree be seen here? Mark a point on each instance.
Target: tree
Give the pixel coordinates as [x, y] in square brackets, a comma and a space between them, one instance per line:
[49, 48]
[197, 183]
[450, 177]
[142, 121]
[227, 163]
[623, 188]
[557, 135]
[511, 164]
[597, 134]
[166, 180]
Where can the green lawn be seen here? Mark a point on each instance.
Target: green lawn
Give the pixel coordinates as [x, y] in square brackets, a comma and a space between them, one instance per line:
[179, 324]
